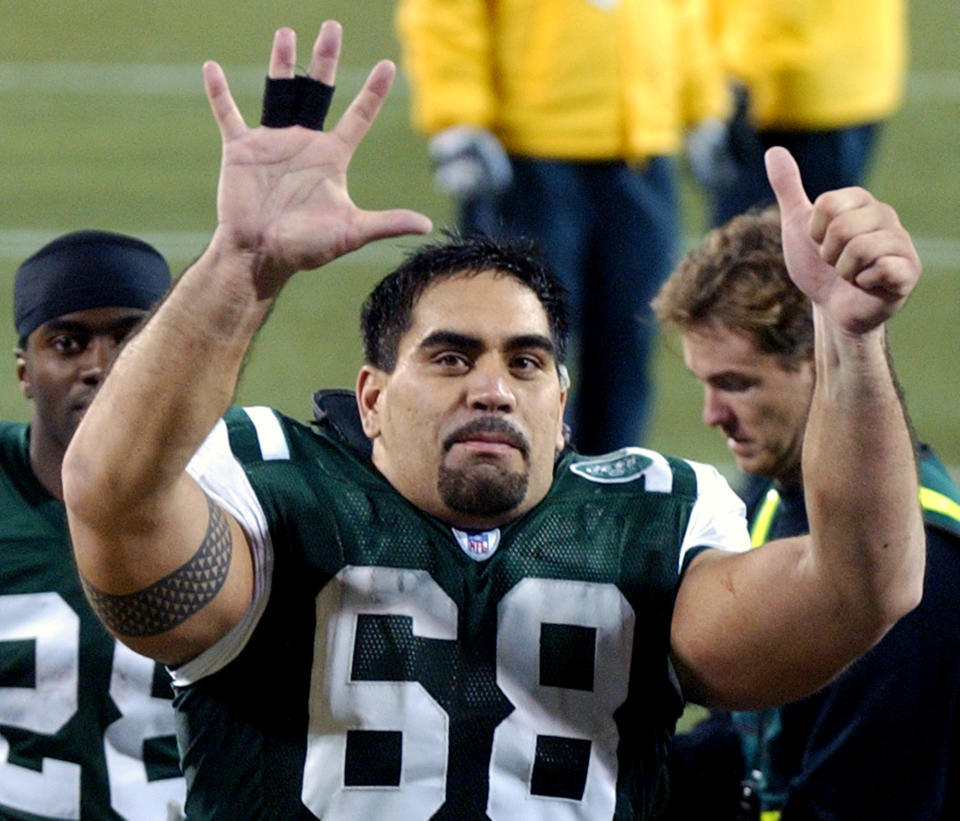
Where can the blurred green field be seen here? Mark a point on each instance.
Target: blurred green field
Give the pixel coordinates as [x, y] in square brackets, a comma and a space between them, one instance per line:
[105, 125]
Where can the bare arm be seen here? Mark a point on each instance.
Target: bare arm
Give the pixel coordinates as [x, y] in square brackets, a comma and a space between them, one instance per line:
[141, 528]
[770, 625]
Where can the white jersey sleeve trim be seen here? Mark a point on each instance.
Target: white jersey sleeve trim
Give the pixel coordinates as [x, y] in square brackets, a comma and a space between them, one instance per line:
[273, 442]
[719, 516]
[217, 471]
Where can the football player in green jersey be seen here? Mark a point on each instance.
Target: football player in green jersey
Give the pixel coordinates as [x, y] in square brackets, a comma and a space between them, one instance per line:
[748, 336]
[474, 622]
[86, 724]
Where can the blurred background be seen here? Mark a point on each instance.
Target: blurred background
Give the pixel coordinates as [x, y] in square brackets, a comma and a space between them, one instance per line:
[104, 124]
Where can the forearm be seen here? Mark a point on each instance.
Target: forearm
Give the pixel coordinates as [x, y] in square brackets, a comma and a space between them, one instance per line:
[860, 478]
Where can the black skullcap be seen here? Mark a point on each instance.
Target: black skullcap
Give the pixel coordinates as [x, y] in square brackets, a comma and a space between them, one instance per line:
[86, 269]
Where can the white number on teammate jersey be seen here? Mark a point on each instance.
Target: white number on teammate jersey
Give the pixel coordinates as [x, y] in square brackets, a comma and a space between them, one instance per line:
[52, 624]
[143, 716]
[338, 703]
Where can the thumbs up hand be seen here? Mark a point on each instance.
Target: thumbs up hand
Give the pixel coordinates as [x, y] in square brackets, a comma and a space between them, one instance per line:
[847, 251]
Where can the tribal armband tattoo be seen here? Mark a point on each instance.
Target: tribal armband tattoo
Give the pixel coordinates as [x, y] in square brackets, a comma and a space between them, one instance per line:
[178, 595]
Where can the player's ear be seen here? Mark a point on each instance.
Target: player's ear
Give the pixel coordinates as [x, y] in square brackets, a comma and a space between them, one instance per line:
[563, 432]
[25, 387]
[370, 383]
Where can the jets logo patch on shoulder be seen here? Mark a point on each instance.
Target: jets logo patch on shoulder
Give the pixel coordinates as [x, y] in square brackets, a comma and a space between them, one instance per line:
[624, 465]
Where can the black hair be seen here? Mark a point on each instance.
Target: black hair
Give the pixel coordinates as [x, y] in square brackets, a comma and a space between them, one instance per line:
[387, 312]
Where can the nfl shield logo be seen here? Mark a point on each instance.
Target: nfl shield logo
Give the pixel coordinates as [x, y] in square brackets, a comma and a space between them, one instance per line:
[478, 546]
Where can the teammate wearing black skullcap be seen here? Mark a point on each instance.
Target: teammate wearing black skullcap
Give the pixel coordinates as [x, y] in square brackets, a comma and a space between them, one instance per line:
[87, 726]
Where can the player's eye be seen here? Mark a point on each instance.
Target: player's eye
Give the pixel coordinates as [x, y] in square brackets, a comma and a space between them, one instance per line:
[734, 384]
[69, 345]
[526, 365]
[451, 361]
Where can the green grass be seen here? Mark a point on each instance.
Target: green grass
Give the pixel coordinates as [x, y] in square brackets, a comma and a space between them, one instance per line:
[146, 163]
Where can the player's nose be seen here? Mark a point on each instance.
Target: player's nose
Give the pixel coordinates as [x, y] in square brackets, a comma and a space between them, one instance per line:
[489, 388]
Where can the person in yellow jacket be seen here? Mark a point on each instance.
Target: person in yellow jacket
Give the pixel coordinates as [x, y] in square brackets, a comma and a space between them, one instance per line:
[816, 77]
[560, 120]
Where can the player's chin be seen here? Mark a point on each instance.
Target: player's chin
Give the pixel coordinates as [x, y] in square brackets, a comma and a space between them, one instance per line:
[749, 464]
[483, 490]
[758, 464]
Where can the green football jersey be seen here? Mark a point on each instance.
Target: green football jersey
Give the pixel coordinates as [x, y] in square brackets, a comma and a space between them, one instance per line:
[394, 667]
[86, 725]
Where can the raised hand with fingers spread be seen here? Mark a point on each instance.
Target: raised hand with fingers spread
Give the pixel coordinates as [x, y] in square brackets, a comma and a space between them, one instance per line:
[283, 194]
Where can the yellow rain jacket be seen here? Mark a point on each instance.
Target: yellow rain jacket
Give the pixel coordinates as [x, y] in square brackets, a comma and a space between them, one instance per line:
[563, 79]
[816, 64]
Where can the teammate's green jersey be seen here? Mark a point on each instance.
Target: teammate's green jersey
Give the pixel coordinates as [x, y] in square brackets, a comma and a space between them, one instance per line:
[86, 725]
[392, 667]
